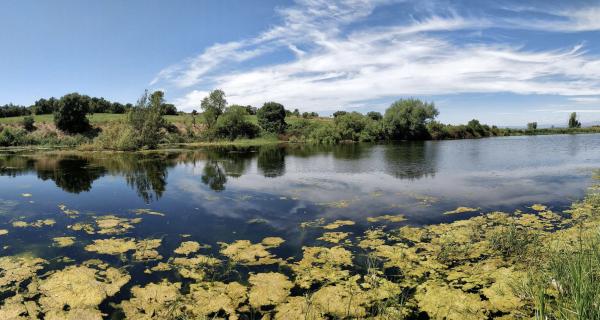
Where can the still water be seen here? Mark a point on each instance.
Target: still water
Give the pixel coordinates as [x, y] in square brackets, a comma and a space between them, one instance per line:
[225, 194]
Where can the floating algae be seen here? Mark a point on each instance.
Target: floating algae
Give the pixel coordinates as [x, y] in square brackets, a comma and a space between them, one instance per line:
[111, 224]
[3, 232]
[26, 195]
[268, 289]
[153, 301]
[246, 252]
[188, 247]
[195, 267]
[320, 264]
[146, 250]
[461, 210]
[339, 223]
[112, 246]
[17, 269]
[62, 242]
[538, 207]
[35, 224]
[76, 291]
[148, 212]
[272, 242]
[68, 212]
[210, 298]
[387, 217]
[334, 237]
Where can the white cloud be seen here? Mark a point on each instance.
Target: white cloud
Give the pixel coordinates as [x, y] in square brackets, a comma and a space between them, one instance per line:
[332, 68]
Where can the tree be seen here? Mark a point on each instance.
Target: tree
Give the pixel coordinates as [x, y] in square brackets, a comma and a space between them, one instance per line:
[573, 122]
[251, 110]
[70, 115]
[194, 114]
[350, 125]
[532, 126]
[296, 112]
[408, 119]
[339, 113]
[271, 117]
[213, 106]
[374, 115]
[43, 106]
[146, 120]
[233, 124]
[169, 109]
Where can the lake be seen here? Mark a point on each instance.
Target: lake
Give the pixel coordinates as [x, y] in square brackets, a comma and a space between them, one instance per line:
[220, 195]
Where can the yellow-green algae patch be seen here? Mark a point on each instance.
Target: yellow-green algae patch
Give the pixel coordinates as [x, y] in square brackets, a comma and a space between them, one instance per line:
[77, 291]
[462, 210]
[538, 207]
[246, 252]
[3, 232]
[339, 223]
[268, 289]
[111, 224]
[153, 301]
[17, 269]
[188, 247]
[272, 242]
[334, 237]
[387, 217]
[112, 246]
[146, 250]
[35, 224]
[68, 212]
[62, 242]
[148, 212]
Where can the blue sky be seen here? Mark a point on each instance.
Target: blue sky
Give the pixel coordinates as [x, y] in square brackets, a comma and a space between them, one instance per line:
[503, 62]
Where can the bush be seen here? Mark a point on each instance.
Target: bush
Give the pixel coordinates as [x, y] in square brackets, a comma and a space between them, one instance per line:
[233, 124]
[271, 117]
[119, 136]
[408, 119]
[350, 125]
[374, 115]
[10, 137]
[325, 134]
[28, 123]
[70, 115]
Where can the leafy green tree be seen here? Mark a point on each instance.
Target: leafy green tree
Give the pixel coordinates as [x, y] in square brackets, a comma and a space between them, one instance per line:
[271, 117]
[350, 125]
[43, 106]
[213, 106]
[28, 123]
[408, 119]
[70, 115]
[339, 113]
[573, 122]
[374, 115]
[532, 126]
[169, 109]
[296, 112]
[233, 124]
[146, 120]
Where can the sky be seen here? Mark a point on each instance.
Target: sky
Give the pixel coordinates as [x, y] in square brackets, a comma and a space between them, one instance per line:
[504, 62]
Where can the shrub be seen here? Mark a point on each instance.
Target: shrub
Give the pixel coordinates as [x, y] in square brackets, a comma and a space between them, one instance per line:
[271, 117]
[573, 122]
[70, 115]
[28, 123]
[325, 134]
[408, 119]
[350, 125]
[233, 124]
[374, 115]
[119, 136]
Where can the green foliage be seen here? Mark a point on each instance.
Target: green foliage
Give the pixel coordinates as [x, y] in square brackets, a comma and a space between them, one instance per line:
[169, 109]
[339, 113]
[573, 122]
[271, 117]
[11, 110]
[513, 241]
[325, 133]
[70, 115]
[146, 120]
[119, 136]
[408, 119]
[233, 124]
[532, 126]
[213, 106]
[374, 115]
[45, 106]
[10, 137]
[28, 123]
[349, 126]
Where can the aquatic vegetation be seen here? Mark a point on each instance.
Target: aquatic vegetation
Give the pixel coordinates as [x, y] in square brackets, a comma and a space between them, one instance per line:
[146, 250]
[17, 269]
[68, 212]
[245, 252]
[153, 301]
[111, 224]
[112, 246]
[272, 242]
[538, 207]
[339, 223]
[188, 247]
[387, 217]
[3, 232]
[62, 242]
[148, 212]
[268, 289]
[334, 237]
[320, 265]
[461, 210]
[35, 224]
[26, 195]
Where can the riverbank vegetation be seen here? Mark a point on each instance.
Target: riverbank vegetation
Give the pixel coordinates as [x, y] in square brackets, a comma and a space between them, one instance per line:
[96, 124]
